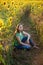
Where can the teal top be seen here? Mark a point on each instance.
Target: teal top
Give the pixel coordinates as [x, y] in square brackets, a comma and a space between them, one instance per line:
[21, 35]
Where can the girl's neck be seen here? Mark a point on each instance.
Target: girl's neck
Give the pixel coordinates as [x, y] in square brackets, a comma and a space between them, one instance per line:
[20, 31]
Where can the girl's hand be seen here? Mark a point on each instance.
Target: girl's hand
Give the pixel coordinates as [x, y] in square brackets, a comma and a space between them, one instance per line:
[27, 44]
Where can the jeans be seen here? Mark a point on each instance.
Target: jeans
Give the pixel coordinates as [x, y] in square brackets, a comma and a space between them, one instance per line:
[25, 46]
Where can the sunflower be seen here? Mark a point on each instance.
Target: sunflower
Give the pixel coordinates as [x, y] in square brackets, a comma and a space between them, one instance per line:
[9, 21]
[1, 24]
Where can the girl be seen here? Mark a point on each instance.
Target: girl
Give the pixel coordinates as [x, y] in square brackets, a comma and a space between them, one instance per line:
[23, 39]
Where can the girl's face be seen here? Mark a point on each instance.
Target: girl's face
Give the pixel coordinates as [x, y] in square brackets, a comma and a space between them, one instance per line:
[20, 28]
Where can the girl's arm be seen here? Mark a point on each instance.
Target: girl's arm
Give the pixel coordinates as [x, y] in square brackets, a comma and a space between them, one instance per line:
[17, 37]
[26, 34]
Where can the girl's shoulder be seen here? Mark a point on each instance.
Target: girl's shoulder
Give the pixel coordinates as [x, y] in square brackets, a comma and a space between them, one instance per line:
[17, 34]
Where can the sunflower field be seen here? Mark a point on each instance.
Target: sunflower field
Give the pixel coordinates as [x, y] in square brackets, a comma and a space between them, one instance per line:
[12, 12]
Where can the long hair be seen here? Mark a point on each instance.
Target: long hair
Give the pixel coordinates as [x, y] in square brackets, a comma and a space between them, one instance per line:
[17, 30]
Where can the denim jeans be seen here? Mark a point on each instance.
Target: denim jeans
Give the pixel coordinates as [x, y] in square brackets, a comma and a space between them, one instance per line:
[25, 46]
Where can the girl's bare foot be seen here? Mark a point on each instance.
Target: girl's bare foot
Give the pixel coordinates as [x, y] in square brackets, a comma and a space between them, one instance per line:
[36, 47]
